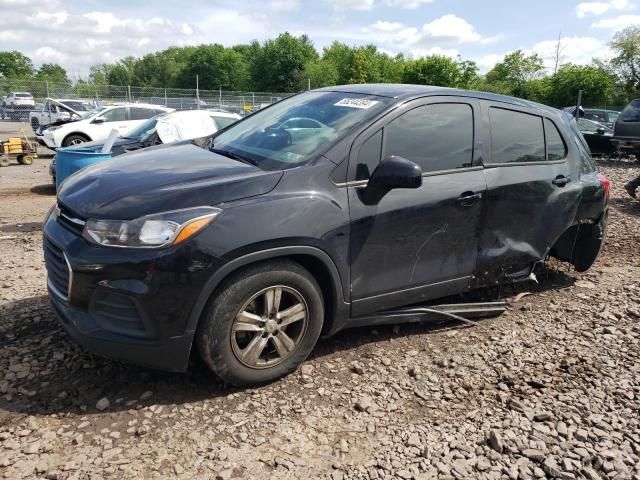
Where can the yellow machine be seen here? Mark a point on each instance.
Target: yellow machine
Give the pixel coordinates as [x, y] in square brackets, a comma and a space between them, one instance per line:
[19, 148]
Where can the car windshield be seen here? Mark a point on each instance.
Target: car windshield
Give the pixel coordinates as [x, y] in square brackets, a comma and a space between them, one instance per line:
[297, 129]
[94, 112]
[143, 131]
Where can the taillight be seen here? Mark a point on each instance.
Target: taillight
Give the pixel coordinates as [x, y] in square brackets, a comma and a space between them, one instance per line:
[606, 184]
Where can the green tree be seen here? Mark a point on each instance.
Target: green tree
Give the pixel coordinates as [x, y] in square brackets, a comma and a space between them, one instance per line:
[596, 83]
[626, 60]
[54, 73]
[216, 66]
[15, 65]
[320, 73]
[436, 70]
[518, 75]
[280, 63]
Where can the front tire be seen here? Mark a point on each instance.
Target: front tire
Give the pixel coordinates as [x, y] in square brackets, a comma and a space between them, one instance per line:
[34, 124]
[75, 139]
[262, 323]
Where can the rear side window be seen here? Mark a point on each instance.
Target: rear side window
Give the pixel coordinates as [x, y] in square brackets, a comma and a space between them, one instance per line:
[516, 137]
[436, 137]
[137, 113]
[632, 112]
[556, 149]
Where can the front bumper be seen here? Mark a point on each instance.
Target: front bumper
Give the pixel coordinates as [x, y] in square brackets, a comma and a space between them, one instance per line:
[170, 354]
[48, 141]
[130, 305]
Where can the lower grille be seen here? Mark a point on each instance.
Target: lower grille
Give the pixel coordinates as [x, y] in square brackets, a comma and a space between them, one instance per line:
[117, 313]
[58, 270]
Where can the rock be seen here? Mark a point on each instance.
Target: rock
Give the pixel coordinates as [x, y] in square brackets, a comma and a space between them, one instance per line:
[178, 469]
[495, 440]
[364, 403]
[533, 454]
[306, 369]
[581, 435]
[414, 441]
[357, 368]
[146, 395]
[102, 404]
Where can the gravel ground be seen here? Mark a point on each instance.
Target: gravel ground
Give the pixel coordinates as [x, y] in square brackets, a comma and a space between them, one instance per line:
[550, 389]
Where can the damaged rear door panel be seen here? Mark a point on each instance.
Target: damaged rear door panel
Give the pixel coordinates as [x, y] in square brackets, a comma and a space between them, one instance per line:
[533, 192]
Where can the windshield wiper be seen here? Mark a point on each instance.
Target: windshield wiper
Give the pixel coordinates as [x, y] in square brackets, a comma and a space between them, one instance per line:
[234, 156]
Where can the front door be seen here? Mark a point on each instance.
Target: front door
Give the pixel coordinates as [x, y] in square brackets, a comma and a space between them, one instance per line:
[418, 244]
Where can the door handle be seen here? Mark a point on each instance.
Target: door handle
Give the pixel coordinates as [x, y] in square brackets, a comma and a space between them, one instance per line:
[467, 199]
[561, 180]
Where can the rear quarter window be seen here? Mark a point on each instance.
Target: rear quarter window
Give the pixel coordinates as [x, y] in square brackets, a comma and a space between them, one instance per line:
[556, 148]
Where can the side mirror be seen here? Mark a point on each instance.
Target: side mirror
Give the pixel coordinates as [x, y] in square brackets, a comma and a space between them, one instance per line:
[600, 131]
[99, 120]
[393, 172]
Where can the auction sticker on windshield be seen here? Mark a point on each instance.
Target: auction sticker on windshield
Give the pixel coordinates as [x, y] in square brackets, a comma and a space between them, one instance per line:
[356, 103]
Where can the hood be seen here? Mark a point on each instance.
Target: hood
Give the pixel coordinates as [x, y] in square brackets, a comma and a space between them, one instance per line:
[158, 179]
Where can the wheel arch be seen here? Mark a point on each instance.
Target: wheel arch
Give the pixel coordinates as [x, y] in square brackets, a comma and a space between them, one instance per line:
[80, 134]
[316, 261]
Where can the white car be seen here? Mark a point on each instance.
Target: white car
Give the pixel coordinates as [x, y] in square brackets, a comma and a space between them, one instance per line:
[19, 100]
[97, 124]
[222, 118]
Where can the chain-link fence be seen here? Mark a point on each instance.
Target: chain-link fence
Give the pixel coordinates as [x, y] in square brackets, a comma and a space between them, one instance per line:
[178, 98]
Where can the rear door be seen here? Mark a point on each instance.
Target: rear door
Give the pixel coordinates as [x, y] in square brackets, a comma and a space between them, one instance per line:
[417, 244]
[533, 192]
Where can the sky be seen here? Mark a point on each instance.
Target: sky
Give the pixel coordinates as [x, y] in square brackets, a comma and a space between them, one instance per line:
[80, 33]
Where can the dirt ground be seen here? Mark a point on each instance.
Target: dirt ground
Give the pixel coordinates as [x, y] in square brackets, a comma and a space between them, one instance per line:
[549, 389]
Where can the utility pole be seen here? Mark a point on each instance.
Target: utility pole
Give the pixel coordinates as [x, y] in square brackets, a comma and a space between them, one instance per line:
[576, 114]
[197, 92]
[308, 84]
[220, 96]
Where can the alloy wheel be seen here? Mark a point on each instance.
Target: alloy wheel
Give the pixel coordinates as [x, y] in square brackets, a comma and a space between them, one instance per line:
[269, 327]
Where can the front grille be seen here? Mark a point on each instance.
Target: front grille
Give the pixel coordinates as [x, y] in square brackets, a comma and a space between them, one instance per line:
[70, 219]
[57, 268]
[117, 313]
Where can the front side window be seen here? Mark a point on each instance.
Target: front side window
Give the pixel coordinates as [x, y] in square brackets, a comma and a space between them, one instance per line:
[115, 115]
[556, 149]
[297, 129]
[437, 136]
[516, 136]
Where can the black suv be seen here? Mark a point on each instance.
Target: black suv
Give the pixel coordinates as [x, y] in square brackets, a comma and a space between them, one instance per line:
[626, 130]
[323, 211]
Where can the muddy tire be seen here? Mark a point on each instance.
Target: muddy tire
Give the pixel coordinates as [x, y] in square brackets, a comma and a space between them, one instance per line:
[4, 161]
[26, 160]
[261, 323]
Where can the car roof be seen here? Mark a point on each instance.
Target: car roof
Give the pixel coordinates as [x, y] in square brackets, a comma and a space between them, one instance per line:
[220, 113]
[400, 91]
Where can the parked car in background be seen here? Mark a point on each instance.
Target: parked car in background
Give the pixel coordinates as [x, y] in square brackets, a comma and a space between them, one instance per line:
[96, 125]
[605, 117]
[58, 111]
[161, 129]
[598, 136]
[19, 100]
[16, 106]
[626, 130]
[180, 103]
[396, 196]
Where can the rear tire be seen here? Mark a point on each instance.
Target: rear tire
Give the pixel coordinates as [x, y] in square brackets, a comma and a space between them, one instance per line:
[34, 124]
[27, 160]
[261, 323]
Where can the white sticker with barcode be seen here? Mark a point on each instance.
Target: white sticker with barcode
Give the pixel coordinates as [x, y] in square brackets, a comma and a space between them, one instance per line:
[356, 103]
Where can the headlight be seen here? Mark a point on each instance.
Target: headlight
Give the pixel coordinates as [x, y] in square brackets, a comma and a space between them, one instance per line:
[51, 129]
[151, 231]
